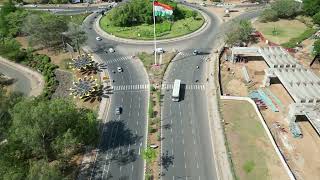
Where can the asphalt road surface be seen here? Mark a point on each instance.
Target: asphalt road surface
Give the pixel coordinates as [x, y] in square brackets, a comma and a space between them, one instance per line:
[123, 137]
[187, 150]
[22, 82]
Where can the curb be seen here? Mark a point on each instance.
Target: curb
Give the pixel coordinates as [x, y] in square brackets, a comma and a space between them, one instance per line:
[276, 148]
[29, 73]
[220, 154]
[106, 35]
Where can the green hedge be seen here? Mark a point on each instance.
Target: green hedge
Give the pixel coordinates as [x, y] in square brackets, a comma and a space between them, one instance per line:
[294, 41]
[151, 108]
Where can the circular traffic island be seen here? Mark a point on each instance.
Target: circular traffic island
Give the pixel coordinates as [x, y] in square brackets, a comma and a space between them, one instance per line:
[134, 20]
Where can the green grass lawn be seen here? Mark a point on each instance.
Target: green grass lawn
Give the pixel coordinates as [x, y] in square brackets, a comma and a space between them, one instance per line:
[164, 30]
[285, 30]
[251, 150]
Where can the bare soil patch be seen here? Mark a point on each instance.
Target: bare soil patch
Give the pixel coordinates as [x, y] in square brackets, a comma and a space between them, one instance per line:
[302, 154]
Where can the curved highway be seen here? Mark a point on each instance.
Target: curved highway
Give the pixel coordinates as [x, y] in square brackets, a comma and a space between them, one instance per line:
[124, 135]
[187, 150]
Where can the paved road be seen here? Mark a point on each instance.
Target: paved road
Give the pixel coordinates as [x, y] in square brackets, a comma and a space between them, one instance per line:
[123, 137]
[187, 150]
[186, 146]
[27, 81]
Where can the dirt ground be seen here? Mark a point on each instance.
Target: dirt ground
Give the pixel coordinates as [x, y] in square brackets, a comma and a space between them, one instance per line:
[302, 154]
[233, 81]
[305, 58]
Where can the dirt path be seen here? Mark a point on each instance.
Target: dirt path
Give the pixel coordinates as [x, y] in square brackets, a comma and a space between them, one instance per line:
[29, 82]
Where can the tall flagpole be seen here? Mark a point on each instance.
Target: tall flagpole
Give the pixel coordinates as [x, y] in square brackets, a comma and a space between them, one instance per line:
[154, 35]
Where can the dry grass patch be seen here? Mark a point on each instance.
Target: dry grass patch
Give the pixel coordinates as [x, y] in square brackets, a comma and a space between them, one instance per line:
[281, 31]
[251, 151]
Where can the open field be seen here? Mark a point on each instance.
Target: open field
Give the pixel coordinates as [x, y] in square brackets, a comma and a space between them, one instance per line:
[164, 30]
[251, 151]
[281, 31]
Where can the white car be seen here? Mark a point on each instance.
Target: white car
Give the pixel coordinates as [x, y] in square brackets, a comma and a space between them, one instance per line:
[111, 50]
[159, 50]
[98, 38]
[203, 4]
[119, 69]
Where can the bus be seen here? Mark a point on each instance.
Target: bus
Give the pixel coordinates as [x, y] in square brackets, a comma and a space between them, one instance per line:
[176, 90]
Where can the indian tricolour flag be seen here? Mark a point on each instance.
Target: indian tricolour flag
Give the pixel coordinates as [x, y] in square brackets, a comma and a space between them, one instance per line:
[162, 9]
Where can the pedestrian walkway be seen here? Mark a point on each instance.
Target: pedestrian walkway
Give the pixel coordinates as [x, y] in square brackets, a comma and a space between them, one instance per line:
[124, 58]
[187, 87]
[132, 87]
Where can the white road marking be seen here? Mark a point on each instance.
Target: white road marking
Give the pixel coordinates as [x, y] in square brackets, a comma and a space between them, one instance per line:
[182, 140]
[138, 113]
[197, 165]
[139, 151]
[184, 154]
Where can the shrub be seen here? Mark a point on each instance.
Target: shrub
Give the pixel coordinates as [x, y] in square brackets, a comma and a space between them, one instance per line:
[295, 41]
[268, 15]
[285, 8]
[305, 20]
[151, 109]
[316, 18]
[316, 47]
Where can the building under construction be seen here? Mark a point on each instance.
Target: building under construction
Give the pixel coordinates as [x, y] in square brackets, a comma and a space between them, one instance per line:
[301, 83]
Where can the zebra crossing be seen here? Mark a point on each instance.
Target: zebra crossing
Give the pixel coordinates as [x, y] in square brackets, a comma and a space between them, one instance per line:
[200, 87]
[131, 87]
[124, 58]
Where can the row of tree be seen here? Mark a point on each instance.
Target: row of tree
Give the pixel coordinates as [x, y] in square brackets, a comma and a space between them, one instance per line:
[39, 137]
[44, 29]
[291, 8]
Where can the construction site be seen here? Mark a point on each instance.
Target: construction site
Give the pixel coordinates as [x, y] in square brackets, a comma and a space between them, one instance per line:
[287, 94]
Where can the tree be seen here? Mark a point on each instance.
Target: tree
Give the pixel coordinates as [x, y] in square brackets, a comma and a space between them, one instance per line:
[43, 126]
[7, 8]
[285, 8]
[149, 154]
[77, 35]
[241, 32]
[48, 30]
[316, 18]
[268, 15]
[194, 14]
[43, 170]
[311, 7]
[7, 101]
[15, 21]
[316, 47]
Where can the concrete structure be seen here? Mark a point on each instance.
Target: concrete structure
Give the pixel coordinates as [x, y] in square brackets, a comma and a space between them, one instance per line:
[301, 83]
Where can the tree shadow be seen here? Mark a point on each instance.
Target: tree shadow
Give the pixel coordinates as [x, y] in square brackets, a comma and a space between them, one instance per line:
[116, 134]
[98, 93]
[125, 157]
[166, 160]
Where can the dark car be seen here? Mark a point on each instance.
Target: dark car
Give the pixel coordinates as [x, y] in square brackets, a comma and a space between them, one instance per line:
[118, 110]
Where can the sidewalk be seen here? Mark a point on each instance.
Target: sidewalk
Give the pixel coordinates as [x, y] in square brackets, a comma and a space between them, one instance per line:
[222, 163]
[36, 79]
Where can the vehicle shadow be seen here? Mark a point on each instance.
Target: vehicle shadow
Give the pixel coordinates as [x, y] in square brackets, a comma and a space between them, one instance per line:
[182, 91]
